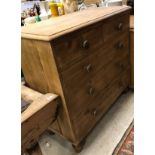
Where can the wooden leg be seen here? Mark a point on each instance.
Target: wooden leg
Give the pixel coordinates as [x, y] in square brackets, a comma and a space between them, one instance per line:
[37, 151]
[33, 151]
[78, 148]
[50, 132]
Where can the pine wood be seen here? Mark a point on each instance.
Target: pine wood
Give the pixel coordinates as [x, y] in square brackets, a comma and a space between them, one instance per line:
[29, 95]
[86, 62]
[55, 27]
[131, 21]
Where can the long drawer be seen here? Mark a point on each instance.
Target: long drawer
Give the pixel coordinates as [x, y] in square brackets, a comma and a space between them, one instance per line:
[87, 120]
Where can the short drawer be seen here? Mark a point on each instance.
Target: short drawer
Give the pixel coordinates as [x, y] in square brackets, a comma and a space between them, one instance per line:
[71, 47]
[115, 26]
[87, 120]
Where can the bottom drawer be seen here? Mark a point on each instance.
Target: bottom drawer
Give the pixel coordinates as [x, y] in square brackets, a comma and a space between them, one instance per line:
[86, 120]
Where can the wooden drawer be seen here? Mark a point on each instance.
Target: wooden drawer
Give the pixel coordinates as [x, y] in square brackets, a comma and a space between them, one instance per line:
[72, 47]
[115, 26]
[87, 120]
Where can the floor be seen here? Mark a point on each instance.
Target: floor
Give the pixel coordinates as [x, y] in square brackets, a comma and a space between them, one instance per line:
[105, 136]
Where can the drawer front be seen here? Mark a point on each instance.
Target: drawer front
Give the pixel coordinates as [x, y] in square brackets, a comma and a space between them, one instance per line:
[115, 26]
[72, 47]
[87, 120]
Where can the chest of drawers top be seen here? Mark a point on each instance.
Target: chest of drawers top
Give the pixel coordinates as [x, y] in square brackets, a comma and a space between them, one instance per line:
[55, 27]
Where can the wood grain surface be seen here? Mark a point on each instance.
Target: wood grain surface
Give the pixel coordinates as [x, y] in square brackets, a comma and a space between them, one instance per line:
[131, 22]
[86, 63]
[41, 74]
[54, 27]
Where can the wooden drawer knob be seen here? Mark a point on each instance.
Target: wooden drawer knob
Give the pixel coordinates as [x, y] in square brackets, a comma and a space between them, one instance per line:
[120, 26]
[95, 112]
[91, 91]
[85, 44]
[120, 45]
[88, 68]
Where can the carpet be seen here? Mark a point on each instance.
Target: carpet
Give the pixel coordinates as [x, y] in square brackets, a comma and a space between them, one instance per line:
[126, 145]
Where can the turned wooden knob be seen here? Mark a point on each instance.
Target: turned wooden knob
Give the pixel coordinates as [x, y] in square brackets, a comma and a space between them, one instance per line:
[120, 45]
[88, 68]
[91, 91]
[94, 112]
[120, 26]
[85, 44]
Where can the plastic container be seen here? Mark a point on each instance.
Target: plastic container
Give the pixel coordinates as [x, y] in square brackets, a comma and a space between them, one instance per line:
[61, 9]
[54, 9]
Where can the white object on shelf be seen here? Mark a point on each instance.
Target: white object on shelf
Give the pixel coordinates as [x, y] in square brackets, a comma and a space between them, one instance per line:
[115, 3]
[44, 10]
[29, 20]
[108, 3]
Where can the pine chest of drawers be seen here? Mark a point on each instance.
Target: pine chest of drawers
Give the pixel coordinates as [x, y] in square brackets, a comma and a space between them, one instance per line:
[84, 58]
